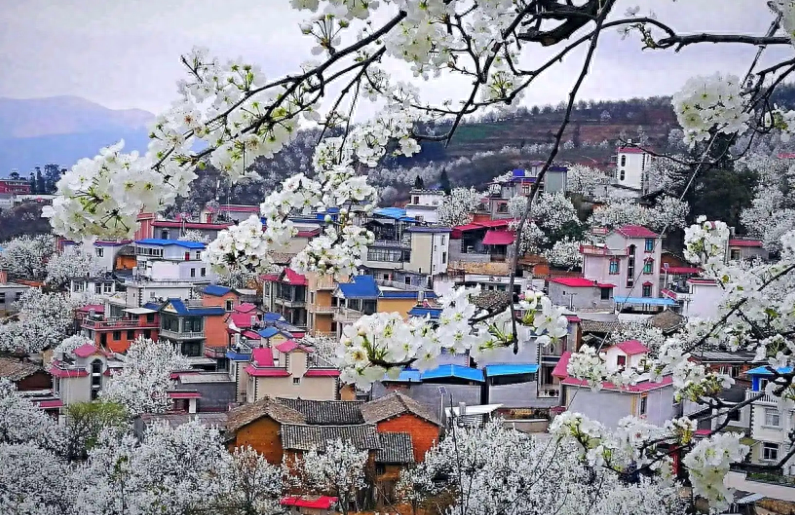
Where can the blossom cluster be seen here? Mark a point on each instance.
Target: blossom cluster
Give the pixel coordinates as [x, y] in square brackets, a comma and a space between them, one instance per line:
[711, 103]
[709, 462]
[383, 343]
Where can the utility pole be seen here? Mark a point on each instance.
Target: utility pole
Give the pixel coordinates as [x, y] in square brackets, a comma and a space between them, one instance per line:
[571, 299]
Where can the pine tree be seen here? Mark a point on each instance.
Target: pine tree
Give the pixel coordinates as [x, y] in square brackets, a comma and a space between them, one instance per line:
[444, 182]
[419, 184]
[34, 188]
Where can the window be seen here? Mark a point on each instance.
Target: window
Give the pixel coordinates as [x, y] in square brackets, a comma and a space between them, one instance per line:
[502, 208]
[116, 336]
[130, 334]
[17, 296]
[649, 244]
[385, 277]
[191, 349]
[647, 266]
[644, 405]
[193, 272]
[296, 381]
[150, 318]
[772, 417]
[107, 287]
[198, 254]
[622, 175]
[605, 293]
[2, 298]
[647, 290]
[100, 252]
[97, 288]
[407, 280]
[203, 272]
[444, 239]
[734, 415]
[770, 451]
[621, 361]
[103, 338]
[230, 304]
[734, 254]
[164, 234]
[380, 468]
[444, 257]
[193, 324]
[614, 267]
[388, 255]
[147, 333]
[623, 160]
[415, 200]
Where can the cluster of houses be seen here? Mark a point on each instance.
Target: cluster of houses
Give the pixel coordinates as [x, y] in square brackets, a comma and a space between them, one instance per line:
[260, 372]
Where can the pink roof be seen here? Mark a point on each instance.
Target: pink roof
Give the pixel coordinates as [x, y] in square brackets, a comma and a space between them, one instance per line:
[241, 320]
[787, 155]
[636, 231]
[246, 307]
[573, 319]
[491, 224]
[648, 283]
[632, 347]
[184, 395]
[235, 209]
[637, 388]
[55, 403]
[64, 373]
[92, 307]
[681, 270]
[293, 277]
[322, 372]
[630, 150]
[561, 369]
[737, 242]
[267, 372]
[498, 238]
[580, 282]
[703, 432]
[262, 356]
[191, 225]
[668, 293]
[85, 350]
[291, 345]
[251, 335]
[308, 233]
[318, 503]
[701, 281]
[271, 278]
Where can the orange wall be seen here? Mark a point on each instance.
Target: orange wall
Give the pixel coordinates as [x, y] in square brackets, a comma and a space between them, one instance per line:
[323, 322]
[212, 301]
[120, 346]
[424, 435]
[215, 326]
[125, 262]
[402, 306]
[263, 436]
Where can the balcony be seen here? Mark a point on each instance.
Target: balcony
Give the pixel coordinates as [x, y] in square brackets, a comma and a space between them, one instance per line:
[347, 316]
[766, 399]
[182, 335]
[321, 310]
[549, 391]
[121, 323]
[289, 302]
[392, 244]
[324, 334]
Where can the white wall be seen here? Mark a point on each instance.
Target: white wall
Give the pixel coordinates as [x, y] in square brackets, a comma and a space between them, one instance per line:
[612, 354]
[633, 170]
[705, 299]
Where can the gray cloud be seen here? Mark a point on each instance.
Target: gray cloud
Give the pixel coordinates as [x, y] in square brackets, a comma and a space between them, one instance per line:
[125, 53]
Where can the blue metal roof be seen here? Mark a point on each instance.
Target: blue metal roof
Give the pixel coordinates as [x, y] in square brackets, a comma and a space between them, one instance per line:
[458, 371]
[396, 213]
[153, 305]
[194, 245]
[646, 301]
[405, 294]
[510, 369]
[272, 317]
[362, 287]
[237, 356]
[408, 375]
[181, 309]
[216, 290]
[423, 312]
[429, 229]
[268, 332]
[765, 371]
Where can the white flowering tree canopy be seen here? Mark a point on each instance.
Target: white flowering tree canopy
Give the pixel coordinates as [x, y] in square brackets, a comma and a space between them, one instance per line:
[457, 207]
[74, 262]
[44, 320]
[26, 256]
[236, 114]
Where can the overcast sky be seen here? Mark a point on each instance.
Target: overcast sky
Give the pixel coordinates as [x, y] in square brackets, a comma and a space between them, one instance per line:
[125, 53]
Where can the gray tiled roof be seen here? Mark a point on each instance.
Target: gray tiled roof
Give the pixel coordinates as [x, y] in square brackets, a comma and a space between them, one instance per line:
[666, 320]
[248, 413]
[302, 437]
[395, 448]
[492, 300]
[393, 405]
[598, 326]
[15, 369]
[340, 413]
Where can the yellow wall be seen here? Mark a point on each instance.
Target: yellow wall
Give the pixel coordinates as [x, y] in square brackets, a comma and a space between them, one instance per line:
[402, 306]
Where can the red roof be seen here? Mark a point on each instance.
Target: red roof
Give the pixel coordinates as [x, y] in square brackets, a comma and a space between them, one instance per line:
[267, 372]
[322, 372]
[308, 233]
[737, 242]
[638, 388]
[241, 320]
[184, 395]
[630, 150]
[251, 335]
[485, 224]
[580, 282]
[492, 224]
[787, 155]
[262, 356]
[190, 225]
[498, 238]
[573, 319]
[291, 345]
[632, 347]
[293, 277]
[636, 231]
[701, 281]
[85, 350]
[246, 307]
[234, 209]
[681, 270]
[55, 403]
[92, 307]
[668, 293]
[561, 369]
[63, 373]
[318, 503]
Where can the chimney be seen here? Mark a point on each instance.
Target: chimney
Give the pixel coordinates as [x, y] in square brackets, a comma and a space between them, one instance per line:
[3, 277]
[420, 297]
[462, 409]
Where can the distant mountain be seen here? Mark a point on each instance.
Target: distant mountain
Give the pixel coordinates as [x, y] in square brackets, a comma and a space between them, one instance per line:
[38, 131]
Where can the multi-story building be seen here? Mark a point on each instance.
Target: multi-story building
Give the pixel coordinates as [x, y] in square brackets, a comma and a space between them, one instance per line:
[770, 426]
[424, 205]
[10, 294]
[321, 306]
[486, 241]
[105, 252]
[630, 171]
[285, 293]
[116, 328]
[629, 259]
[521, 182]
[99, 286]
[580, 293]
[228, 213]
[80, 376]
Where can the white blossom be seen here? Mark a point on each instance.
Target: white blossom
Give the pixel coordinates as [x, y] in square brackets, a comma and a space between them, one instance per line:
[74, 262]
[457, 208]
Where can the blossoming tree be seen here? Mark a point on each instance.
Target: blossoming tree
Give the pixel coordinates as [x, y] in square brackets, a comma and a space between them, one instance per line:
[26, 257]
[457, 207]
[238, 114]
[74, 261]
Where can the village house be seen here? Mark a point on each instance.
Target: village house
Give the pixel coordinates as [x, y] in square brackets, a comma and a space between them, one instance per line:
[227, 213]
[285, 293]
[183, 323]
[742, 249]
[10, 294]
[424, 205]
[580, 293]
[521, 182]
[630, 169]
[114, 328]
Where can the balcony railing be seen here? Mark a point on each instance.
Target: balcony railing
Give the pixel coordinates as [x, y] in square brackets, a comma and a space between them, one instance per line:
[321, 310]
[549, 391]
[324, 334]
[346, 315]
[118, 324]
[392, 244]
[182, 335]
[768, 399]
[289, 302]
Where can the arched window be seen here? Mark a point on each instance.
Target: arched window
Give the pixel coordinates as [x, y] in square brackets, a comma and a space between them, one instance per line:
[648, 266]
[622, 175]
[624, 160]
[96, 378]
